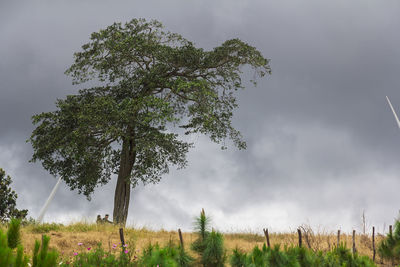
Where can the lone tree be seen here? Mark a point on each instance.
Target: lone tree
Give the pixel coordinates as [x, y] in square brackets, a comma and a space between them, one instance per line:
[148, 83]
[8, 200]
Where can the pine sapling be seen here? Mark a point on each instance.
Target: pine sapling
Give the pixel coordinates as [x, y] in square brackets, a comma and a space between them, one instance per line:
[35, 258]
[13, 233]
[214, 254]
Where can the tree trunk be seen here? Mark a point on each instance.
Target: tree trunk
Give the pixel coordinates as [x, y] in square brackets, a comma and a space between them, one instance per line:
[123, 188]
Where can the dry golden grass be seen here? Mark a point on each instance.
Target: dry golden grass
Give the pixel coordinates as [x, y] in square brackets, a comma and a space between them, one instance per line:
[66, 238]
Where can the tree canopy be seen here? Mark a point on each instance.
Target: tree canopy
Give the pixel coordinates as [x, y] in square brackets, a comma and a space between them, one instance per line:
[147, 83]
[8, 199]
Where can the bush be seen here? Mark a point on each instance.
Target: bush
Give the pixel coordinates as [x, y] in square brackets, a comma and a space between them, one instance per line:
[184, 259]
[8, 242]
[13, 235]
[153, 255]
[42, 257]
[201, 227]
[8, 200]
[99, 257]
[8, 257]
[298, 257]
[214, 254]
[170, 255]
[209, 245]
[389, 248]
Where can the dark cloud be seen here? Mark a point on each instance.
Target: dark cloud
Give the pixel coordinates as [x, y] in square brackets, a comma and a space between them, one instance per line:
[322, 142]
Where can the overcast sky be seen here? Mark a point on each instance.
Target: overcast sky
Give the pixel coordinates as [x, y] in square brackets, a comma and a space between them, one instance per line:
[323, 145]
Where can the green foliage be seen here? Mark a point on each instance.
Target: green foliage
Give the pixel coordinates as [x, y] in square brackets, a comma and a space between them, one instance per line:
[98, 257]
[13, 233]
[8, 257]
[389, 248]
[183, 258]
[151, 82]
[276, 257]
[21, 259]
[301, 255]
[8, 243]
[201, 226]
[42, 257]
[170, 255]
[209, 245]
[214, 254]
[152, 256]
[8, 200]
[342, 256]
[238, 258]
[35, 257]
[298, 257]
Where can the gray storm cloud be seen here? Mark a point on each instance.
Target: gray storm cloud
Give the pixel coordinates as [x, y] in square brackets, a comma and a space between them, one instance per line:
[322, 143]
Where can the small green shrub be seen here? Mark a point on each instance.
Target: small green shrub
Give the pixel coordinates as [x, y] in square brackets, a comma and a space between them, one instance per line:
[342, 256]
[238, 258]
[98, 257]
[169, 255]
[184, 259]
[209, 245]
[21, 260]
[13, 233]
[214, 254]
[302, 256]
[298, 257]
[153, 255]
[35, 257]
[8, 257]
[279, 258]
[42, 257]
[201, 227]
[389, 248]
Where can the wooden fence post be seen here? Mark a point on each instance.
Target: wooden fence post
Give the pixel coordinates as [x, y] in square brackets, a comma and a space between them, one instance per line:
[267, 236]
[338, 238]
[121, 236]
[300, 241]
[354, 242]
[373, 243]
[180, 237]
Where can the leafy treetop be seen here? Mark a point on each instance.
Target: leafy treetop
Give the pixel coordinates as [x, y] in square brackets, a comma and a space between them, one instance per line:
[8, 199]
[147, 82]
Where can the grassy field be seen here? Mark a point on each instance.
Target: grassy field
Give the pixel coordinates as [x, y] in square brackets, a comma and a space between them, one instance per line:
[66, 238]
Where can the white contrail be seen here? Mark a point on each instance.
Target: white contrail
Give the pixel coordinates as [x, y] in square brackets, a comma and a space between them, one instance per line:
[394, 112]
[51, 196]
